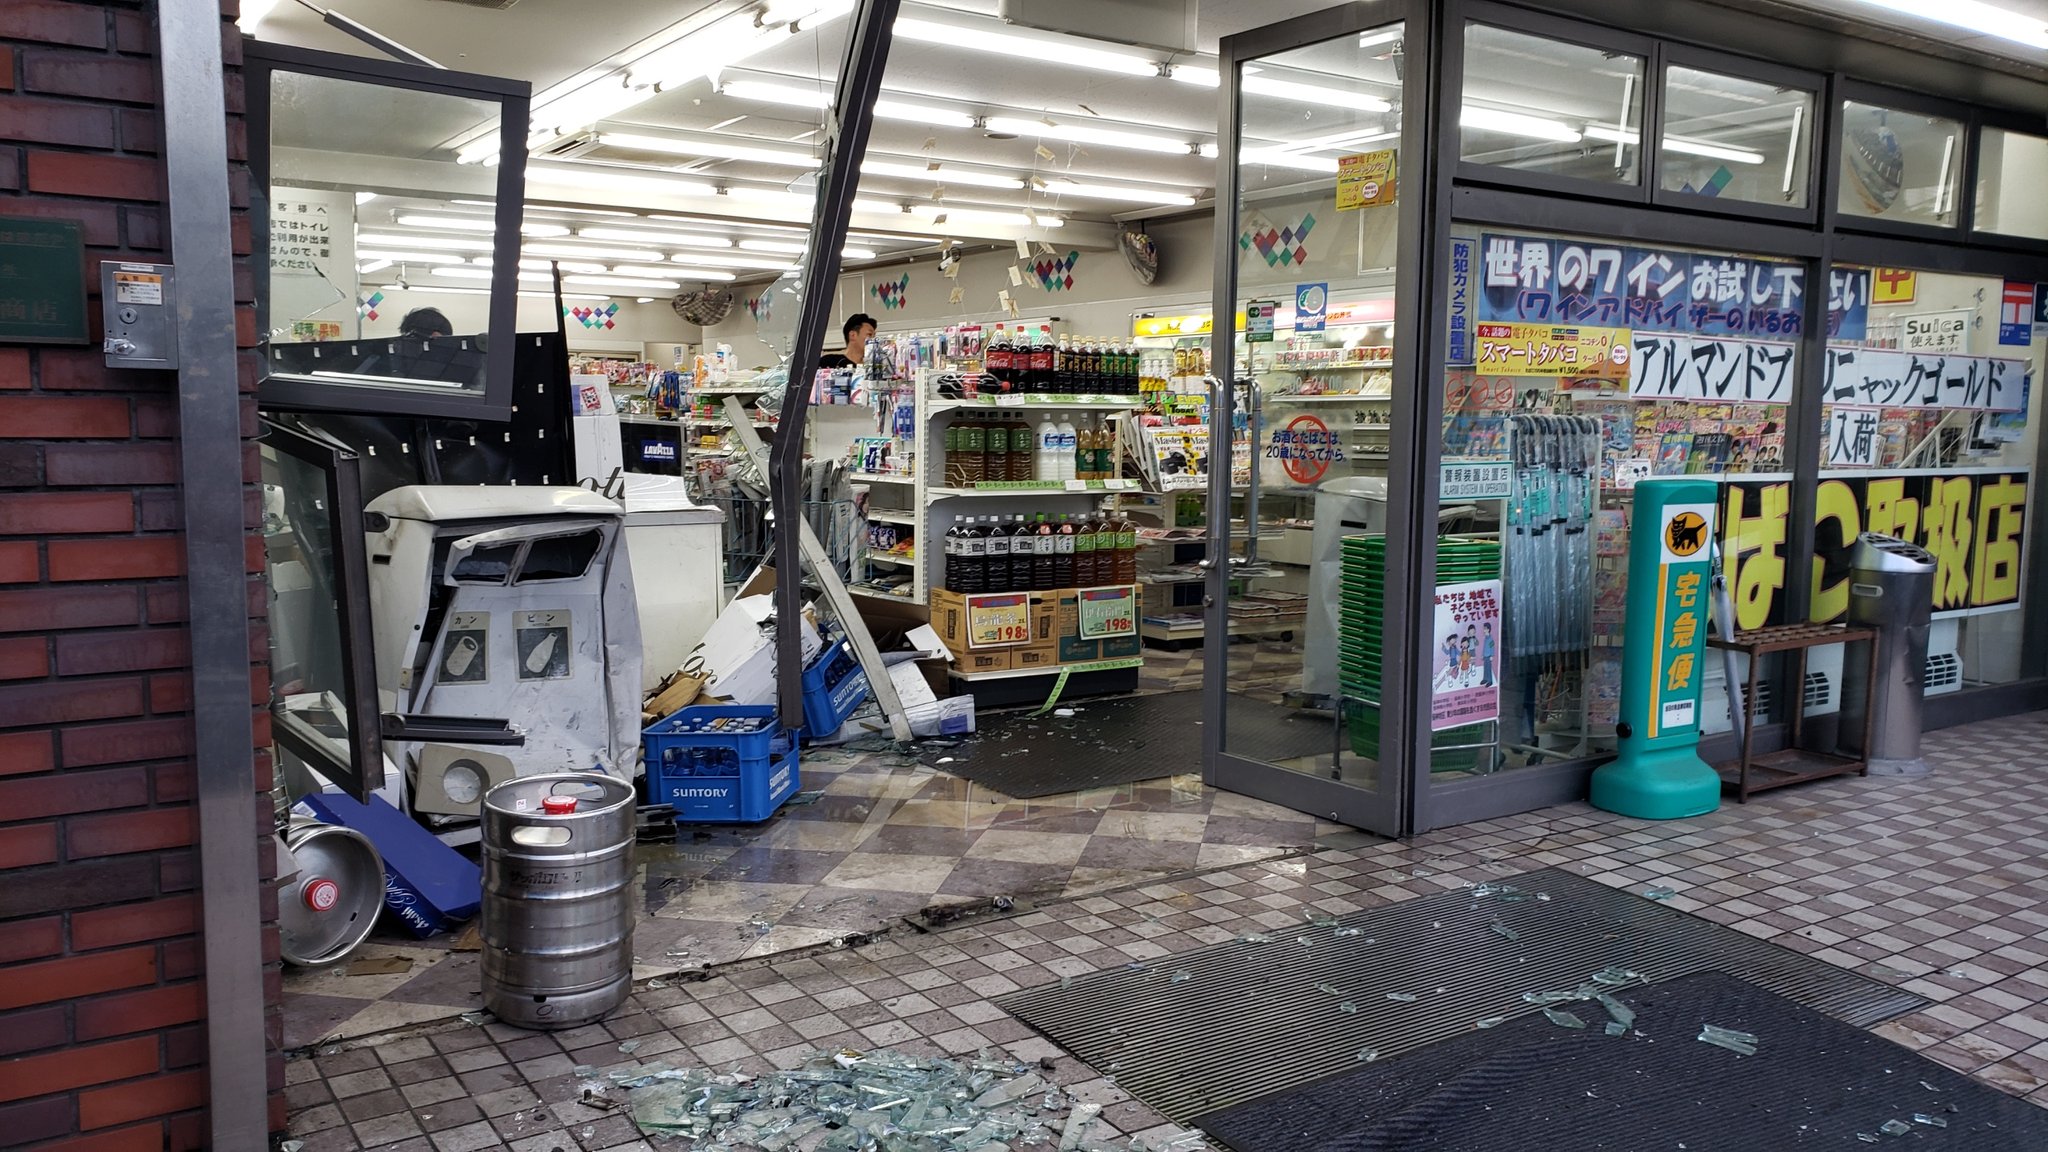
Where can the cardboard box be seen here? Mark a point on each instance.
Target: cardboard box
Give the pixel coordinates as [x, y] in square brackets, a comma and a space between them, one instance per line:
[955, 617]
[986, 660]
[1122, 647]
[739, 650]
[1035, 657]
[1074, 650]
[1044, 615]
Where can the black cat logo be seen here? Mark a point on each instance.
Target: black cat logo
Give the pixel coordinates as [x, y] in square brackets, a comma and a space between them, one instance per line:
[1686, 533]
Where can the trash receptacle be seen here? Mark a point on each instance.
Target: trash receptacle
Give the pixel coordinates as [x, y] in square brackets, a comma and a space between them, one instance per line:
[1891, 589]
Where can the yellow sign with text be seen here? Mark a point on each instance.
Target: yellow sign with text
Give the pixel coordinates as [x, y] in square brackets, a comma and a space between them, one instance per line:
[1552, 350]
[1365, 180]
[1974, 525]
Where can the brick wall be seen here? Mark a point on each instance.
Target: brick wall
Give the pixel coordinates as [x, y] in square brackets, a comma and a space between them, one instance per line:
[102, 1039]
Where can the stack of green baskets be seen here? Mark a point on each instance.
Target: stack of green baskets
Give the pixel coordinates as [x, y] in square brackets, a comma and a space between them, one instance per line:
[1361, 640]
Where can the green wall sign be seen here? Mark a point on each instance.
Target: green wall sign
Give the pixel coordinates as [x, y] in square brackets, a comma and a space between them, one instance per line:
[1657, 773]
[42, 282]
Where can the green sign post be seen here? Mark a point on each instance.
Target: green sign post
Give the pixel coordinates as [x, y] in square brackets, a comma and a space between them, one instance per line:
[1657, 773]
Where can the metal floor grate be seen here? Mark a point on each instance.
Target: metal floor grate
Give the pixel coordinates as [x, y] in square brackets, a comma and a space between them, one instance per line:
[1251, 1019]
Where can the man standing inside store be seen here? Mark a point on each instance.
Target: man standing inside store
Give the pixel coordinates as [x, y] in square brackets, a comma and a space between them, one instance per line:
[858, 330]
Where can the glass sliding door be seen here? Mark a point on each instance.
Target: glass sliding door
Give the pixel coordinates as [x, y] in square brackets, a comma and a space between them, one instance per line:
[1304, 414]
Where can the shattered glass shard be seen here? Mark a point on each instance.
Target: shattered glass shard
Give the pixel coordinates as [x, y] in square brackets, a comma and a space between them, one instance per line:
[1615, 977]
[1930, 1121]
[1616, 1028]
[1562, 1018]
[1349, 931]
[1368, 1055]
[1659, 892]
[1255, 938]
[1078, 1122]
[1315, 921]
[1868, 1138]
[1348, 1007]
[1489, 1021]
[1328, 990]
[1503, 931]
[1895, 1127]
[629, 1047]
[1740, 1043]
[1402, 997]
[1180, 976]
[1622, 1013]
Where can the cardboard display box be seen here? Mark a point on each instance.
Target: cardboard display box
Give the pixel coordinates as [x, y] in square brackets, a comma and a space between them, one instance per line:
[1047, 625]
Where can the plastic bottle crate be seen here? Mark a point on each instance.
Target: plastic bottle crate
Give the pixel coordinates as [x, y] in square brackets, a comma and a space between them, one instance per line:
[733, 773]
[834, 685]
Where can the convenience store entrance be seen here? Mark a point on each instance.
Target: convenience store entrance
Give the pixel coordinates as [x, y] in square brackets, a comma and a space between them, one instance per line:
[1309, 257]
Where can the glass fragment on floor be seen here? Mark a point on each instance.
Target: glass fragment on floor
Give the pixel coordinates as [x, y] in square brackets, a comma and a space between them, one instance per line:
[1402, 997]
[1929, 1121]
[1503, 931]
[1740, 1043]
[1895, 1127]
[1489, 1021]
[1563, 1019]
[1659, 892]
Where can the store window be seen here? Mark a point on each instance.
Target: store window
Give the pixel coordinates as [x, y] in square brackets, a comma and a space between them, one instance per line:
[1578, 367]
[388, 268]
[1899, 166]
[1537, 105]
[1927, 436]
[2012, 169]
[1728, 138]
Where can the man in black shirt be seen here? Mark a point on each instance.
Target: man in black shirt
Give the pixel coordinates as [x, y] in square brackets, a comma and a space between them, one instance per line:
[858, 330]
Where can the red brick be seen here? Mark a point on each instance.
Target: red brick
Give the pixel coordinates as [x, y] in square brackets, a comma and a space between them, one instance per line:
[139, 131]
[35, 1029]
[102, 177]
[31, 940]
[160, 510]
[184, 1047]
[121, 833]
[21, 465]
[62, 417]
[164, 604]
[45, 513]
[22, 845]
[143, 228]
[73, 976]
[156, 419]
[41, 609]
[20, 563]
[132, 923]
[36, 1119]
[24, 752]
[56, 122]
[182, 959]
[67, 701]
[187, 1131]
[10, 173]
[143, 1011]
[24, 658]
[159, 1096]
[106, 465]
[171, 695]
[33, 797]
[140, 1138]
[13, 361]
[135, 558]
[6, 82]
[91, 76]
[78, 884]
[176, 783]
[87, 653]
[126, 743]
[102, 221]
[133, 33]
[54, 22]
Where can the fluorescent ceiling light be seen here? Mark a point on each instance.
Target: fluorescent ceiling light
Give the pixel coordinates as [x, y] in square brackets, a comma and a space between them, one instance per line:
[922, 114]
[448, 290]
[799, 97]
[711, 274]
[1088, 134]
[466, 272]
[480, 149]
[717, 46]
[1974, 15]
[640, 271]
[1285, 89]
[1069, 51]
[643, 299]
[795, 249]
[880, 207]
[701, 222]
[445, 243]
[377, 265]
[1125, 192]
[401, 255]
[762, 262]
[987, 216]
[564, 265]
[365, 197]
[597, 252]
[624, 283]
[614, 178]
[1715, 151]
[1516, 124]
[635, 236]
[579, 210]
[1375, 38]
[477, 224]
[712, 149]
[941, 175]
[1282, 158]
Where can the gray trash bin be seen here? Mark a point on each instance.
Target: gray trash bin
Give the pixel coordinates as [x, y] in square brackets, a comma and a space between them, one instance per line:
[1891, 589]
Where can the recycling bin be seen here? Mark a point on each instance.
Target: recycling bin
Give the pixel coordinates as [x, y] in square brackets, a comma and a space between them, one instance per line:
[1891, 590]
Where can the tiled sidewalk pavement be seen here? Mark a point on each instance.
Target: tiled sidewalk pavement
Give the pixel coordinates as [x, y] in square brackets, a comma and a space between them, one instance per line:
[1935, 884]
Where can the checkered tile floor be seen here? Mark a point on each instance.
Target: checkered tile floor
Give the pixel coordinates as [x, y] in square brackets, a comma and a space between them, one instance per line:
[1934, 884]
[884, 840]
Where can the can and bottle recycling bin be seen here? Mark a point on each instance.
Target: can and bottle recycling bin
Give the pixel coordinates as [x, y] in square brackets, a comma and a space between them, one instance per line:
[1891, 589]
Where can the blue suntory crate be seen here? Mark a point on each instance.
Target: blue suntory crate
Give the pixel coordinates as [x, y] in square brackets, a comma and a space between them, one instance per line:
[834, 685]
[720, 764]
